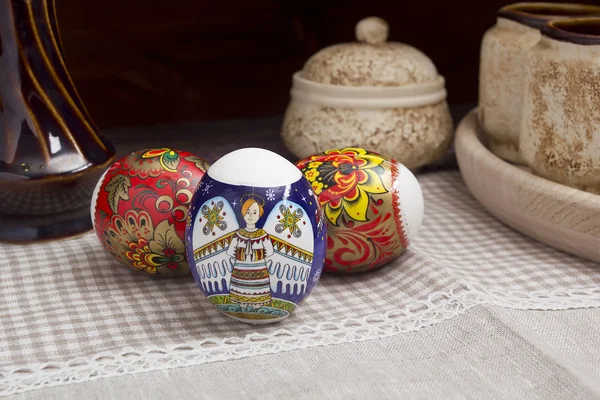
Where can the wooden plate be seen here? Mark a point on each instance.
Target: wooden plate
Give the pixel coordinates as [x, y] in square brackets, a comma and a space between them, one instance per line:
[565, 218]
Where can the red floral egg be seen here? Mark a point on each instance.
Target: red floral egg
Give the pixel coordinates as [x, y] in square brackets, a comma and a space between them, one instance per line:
[373, 206]
[140, 206]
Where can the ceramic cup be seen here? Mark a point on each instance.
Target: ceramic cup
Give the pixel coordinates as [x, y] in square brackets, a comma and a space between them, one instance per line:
[560, 137]
[503, 48]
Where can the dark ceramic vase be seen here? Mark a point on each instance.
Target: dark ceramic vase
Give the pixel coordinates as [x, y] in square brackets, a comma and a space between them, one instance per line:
[51, 154]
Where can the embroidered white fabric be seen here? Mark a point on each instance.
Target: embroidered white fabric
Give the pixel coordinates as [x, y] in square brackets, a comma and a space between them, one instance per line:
[71, 314]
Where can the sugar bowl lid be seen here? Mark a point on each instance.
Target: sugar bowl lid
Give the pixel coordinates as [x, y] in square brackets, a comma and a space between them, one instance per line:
[370, 61]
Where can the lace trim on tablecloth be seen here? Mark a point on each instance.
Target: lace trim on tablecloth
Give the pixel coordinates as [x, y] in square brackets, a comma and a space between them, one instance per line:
[540, 300]
[439, 307]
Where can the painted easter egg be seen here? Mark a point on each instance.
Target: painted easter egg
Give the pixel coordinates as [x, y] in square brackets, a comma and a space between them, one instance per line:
[256, 236]
[140, 207]
[373, 206]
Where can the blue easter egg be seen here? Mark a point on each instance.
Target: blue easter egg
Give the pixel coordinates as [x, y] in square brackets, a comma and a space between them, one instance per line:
[256, 236]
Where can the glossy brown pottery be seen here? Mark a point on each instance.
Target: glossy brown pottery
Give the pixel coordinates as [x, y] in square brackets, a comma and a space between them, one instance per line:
[50, 152]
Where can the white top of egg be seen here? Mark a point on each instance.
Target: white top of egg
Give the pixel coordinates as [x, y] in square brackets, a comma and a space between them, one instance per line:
[254, 167]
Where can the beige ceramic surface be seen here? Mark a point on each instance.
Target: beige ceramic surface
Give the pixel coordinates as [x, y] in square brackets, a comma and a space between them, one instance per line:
[500, 84]
[360, 64]
[503, 49]
[384, 96]
[560, 137]
[565, 218]
[415, 135]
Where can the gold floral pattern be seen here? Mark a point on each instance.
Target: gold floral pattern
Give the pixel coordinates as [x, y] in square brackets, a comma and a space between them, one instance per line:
[200, 163]
[117, 188]
[138, 194]
[164, 253]
[133, 240]
[138, 165]
[344, 180]
[168, 159]
[151, 163]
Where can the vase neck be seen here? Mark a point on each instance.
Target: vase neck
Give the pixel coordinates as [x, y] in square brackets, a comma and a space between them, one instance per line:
[44, 127]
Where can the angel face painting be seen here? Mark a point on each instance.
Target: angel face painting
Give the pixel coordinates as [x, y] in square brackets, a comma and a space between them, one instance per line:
[258, 251]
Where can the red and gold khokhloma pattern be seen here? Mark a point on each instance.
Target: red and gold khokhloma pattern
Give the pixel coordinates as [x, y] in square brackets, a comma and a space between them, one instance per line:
[356, 189]
[142, 208]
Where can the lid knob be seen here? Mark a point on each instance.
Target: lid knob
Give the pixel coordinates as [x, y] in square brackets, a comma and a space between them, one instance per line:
[372, 30]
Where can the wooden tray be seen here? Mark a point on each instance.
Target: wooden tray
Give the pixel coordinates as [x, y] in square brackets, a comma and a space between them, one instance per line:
[562, 217]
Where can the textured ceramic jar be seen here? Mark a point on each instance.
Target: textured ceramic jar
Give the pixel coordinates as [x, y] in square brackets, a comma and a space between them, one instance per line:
[384, 96]
[501, 68]
[560, 137]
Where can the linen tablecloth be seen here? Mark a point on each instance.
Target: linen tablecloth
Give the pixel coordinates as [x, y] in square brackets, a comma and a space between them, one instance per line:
[489, 352]
[72, 314]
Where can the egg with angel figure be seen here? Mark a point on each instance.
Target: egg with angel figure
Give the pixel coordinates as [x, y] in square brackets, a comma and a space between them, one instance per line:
[256, 236]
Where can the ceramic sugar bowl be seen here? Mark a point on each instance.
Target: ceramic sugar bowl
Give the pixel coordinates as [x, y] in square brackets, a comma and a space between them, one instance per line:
[385, 96]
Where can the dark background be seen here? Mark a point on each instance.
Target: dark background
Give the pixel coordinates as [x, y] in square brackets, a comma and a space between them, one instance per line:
[138, 62]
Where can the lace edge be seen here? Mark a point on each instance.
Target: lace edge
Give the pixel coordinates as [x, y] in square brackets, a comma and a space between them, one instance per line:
[438, 307]
[555, 300]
